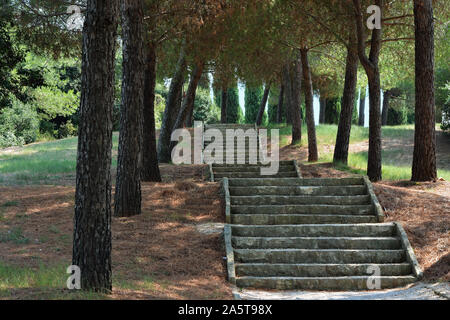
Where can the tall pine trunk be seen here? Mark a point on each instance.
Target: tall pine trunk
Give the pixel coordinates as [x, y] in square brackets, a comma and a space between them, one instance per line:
[129, 160]
[92, 220]
[262, 106]
[385, 109]
[313, 154]
[424, 158]
[287, 82]
[348, 103]
[323, 105]
[150, 168]
[296, 79]
[188, 101]
[370, 64]
[223, 107]
[173, 106]
[362, 107]
[280, 105]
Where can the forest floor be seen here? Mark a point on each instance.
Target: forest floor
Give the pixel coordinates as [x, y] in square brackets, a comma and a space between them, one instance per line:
[163, 254]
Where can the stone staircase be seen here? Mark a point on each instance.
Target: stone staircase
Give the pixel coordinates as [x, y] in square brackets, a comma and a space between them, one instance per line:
[286, 232]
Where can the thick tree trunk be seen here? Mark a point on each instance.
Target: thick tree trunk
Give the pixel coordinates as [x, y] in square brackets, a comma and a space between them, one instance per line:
[385, 110]
[129, 160]
[190, 118]
[296, 99]
[223, 107]
[188, 101]
[362, 107]
[323, 105]
[370, 64]
[280, 105]
[150, 168]
[348, 103]
[262, 106]
[424, 158]
[313, 154]
[172, 108]
[92, 220]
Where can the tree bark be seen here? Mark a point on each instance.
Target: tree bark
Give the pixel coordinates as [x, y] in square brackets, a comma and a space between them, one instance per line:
[362, 107]
[323, 105]
[424, 158]
[313, 154]
[129, 160]
[371, 67]
[262, 106]
[173, 106]
[150, 168]
[188, 101]
[296, 79]
[280, 105]
[92, 220]
[223, 108]
[385, 110]
[348, 103]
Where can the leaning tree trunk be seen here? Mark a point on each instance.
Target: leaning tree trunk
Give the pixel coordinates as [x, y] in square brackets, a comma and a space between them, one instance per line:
[385, 109]
[370, 64]
[313, 154]
[150, 168]
[348, 103]
[296, 100]
[129, 160]
[362, 108]
[424, 158]
[323, 105]
[188, 101]
[224, 104]
[262, 106]
[280, 105]
[172, 108]
[92, 220]
[287, 82]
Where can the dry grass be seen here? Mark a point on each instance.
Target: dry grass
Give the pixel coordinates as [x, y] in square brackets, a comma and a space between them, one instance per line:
[156, 255]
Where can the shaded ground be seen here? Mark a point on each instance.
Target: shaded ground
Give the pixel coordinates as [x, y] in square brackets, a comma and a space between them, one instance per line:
[157, 255]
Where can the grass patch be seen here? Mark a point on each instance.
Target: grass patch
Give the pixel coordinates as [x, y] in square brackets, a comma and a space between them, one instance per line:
[14, 235]
[9, 204]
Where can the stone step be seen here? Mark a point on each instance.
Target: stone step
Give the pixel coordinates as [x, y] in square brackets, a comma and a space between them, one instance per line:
[318, 256]
[303, 209]
[316, 243]
[316, 230]
[278, 200]
[276, 219]
[224, 165]
[321, 283]
[298, 190]
[284, 168]
[221, 175]
[319, 270]
[296, 182]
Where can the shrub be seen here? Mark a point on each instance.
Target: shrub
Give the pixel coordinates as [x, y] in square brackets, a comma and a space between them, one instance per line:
[67, 130]
[19, 121]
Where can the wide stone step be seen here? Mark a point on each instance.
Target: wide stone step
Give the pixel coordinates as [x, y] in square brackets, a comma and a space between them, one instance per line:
[320, 270]
[278, 200]
[284, 168]
[297, 182]
[299, 190]
[224, 165]
[275, 219]
[303, 209]
[318, 256]
[316, 230]
[316, 243]
[321, 283]
[221, 175]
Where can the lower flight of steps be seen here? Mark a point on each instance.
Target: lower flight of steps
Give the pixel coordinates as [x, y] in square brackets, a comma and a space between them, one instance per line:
[316, 234]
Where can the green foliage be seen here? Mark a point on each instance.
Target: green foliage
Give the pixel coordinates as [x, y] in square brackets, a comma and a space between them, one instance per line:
[233, 109]
[253, 96]
[52, 102]
[19, 124]
[204, 109]
[332, 111]
[445, 125]
[272, 117]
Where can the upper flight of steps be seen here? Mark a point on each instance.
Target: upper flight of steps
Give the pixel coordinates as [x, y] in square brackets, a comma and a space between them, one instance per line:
[242, 168]
[317, 234]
